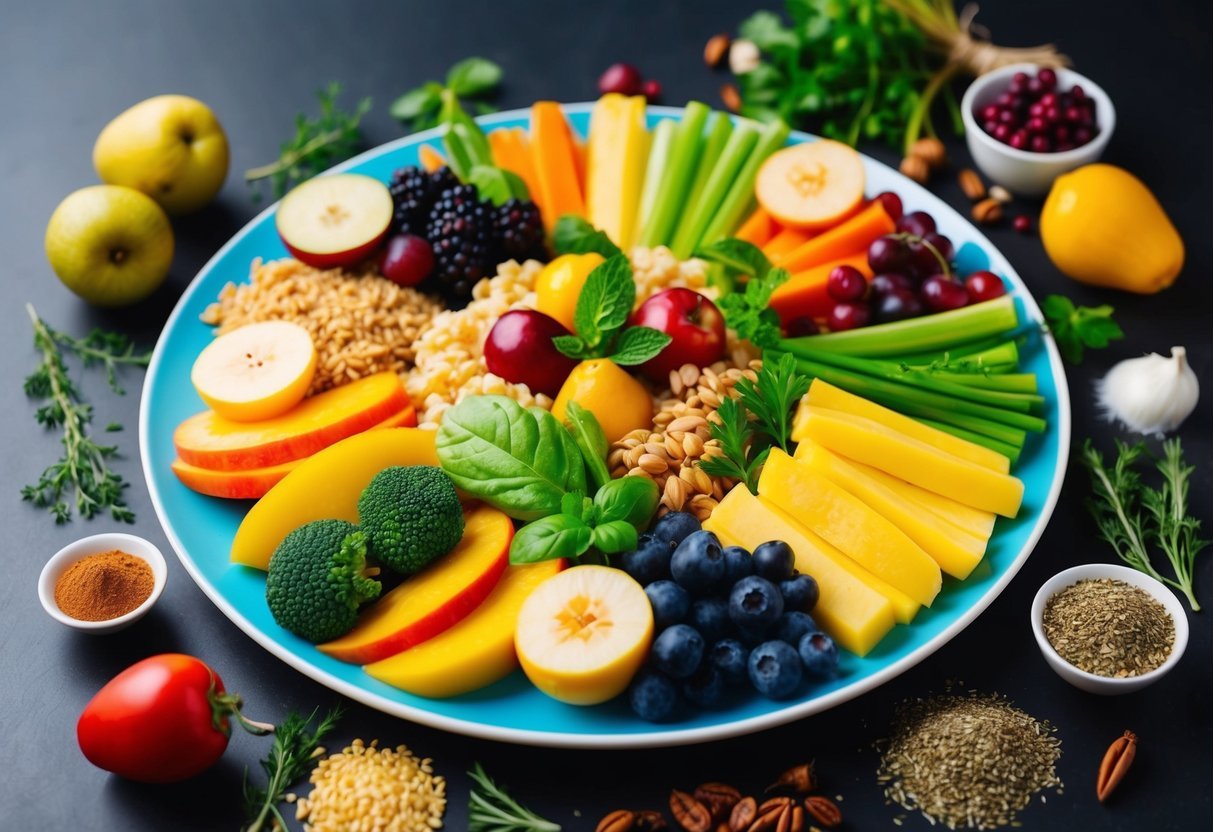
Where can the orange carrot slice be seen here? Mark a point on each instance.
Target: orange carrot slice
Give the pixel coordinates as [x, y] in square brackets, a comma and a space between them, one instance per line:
[512, 151]
[853, 234]
[555, 158]
[812, 185]
[787, 240]
[758, 229]
[805, 292]
[430, 158]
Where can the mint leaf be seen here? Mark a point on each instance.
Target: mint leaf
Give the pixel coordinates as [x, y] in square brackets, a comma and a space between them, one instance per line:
[1075, 328]
[473, 76]
[573, 235]
[570, 345]
[737, 255]
[497, 185]
[606, 301]
[415, 103]
[637, 344]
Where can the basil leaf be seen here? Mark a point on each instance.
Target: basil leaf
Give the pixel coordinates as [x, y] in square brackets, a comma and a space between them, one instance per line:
[637, 344]
[630, 499]
[614, 536]
[573, 235]
[591, 441]
[415, 102]
[557, 449]
[473, 76]
[605, 301]
[570, 345]
[572, 504]
[558, 536]
[738, 255]
[496, 185]
[489, 446]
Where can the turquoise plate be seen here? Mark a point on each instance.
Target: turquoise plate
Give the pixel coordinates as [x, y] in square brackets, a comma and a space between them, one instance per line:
[201, 528]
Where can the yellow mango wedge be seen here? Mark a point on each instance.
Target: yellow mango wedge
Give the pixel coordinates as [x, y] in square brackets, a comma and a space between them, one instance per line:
[850, 525]
[912, 460]
[972, 521]
[617, 152]
[824, 394]
[853, 613]
[957, 552]
[326, 486]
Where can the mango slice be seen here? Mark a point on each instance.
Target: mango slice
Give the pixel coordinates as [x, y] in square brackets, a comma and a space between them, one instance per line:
[618, 149]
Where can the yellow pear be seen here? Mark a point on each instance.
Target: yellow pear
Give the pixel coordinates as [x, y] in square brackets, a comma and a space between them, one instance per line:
[171, 147]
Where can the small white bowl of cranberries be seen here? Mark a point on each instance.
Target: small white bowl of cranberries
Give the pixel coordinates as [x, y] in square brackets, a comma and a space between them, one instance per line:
[1026, 125]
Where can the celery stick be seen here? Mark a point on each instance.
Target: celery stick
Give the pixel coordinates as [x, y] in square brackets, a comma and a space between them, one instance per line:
[676, 179]
[654, 174]
[975, 358]
[1006, 382]
[731, 210]
[734, 155]
[719, 130]
[1011, 452]
[930, 332]
[951, 354]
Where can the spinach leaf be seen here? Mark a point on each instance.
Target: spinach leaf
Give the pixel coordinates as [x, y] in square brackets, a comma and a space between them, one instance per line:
[614, 536]
[630, 499]
[591, 442]
[558, 536]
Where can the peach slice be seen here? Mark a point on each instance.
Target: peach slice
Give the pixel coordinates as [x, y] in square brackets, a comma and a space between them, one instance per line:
[334, 220]
[434, 600]
[812, 185]
[477, 651]
[210, 441]
[256, 372]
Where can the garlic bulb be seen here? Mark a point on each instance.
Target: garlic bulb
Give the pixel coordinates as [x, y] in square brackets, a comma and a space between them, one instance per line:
[1152, 394]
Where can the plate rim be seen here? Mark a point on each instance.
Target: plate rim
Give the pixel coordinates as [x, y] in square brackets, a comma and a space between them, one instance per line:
[656, 739]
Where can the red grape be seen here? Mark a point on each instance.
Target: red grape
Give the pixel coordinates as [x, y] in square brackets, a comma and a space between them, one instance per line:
[406, 260]
[983, 285]
[897, 305]
[919, 223]
[887, 254]
[801, 325]
[886, 282]
[846, 316]
[940, 293]
[621, 78]
[846, 283]
[891, 203]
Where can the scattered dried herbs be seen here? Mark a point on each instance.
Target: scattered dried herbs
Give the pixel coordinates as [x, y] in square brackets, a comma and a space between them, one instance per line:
[1109, 628]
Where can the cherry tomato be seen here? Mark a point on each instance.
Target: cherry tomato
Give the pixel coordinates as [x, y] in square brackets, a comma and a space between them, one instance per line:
[164, 719]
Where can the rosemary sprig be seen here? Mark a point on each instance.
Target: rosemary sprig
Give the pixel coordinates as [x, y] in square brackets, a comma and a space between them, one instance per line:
[294, 753]
[1178, 535]
[317, 144]
[491, 809]
[82, 472]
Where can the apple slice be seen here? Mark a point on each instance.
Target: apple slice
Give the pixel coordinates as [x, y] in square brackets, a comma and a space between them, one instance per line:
[335, 220]
[434, 600]
[256, 372]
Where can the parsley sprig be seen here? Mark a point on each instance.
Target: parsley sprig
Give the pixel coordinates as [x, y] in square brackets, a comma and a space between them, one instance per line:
[293, 755]
[472, 78]
[1077, 328]
[318, 143]
[81, 477]
[747, 307]
[491, 809]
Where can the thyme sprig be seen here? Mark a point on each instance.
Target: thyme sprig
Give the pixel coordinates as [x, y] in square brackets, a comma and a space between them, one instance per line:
[294, 754]
[491, 809]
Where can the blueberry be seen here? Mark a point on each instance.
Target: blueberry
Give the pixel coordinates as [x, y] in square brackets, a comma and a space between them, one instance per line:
[653, 696]
[705, 688]
[819, 654]
[792, 627]
[799, 593]
[738, 564]
[676, 527]
[678, 651]
[775, 669]
[755, 604]
[698, 562]
[710, 616]
[670, 603]
[774, 561]
[729, 657]
[651, 560]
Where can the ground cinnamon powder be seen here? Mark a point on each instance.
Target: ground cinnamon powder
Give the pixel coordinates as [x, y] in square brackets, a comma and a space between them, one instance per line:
[104, 586]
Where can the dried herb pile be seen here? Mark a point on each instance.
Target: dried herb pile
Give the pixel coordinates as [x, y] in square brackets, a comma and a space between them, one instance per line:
[1109, 628]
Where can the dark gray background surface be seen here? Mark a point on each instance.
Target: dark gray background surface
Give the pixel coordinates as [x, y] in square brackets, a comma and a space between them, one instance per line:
[67, 68]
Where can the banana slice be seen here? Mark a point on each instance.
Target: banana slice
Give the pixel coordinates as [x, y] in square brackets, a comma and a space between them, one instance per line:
[256, 372]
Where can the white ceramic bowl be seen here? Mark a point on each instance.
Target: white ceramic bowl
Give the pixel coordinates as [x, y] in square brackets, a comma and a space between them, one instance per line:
[1091, 682]
[82, 548]
[1022, 172]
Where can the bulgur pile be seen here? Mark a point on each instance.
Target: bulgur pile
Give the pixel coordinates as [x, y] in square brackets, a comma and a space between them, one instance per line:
[361, 323]
[368, 789]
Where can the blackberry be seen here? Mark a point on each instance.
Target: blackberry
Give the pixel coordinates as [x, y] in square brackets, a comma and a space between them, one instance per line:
[411, 200]
[461, 232]
[520, 230]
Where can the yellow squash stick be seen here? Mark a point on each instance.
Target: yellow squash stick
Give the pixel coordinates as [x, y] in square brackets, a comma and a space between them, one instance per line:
[615, 166]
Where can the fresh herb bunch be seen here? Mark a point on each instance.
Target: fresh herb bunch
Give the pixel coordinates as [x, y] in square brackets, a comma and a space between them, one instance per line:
[82, 473]
[1076, 328]
[758, 420]
[472, 78]
[318, 143]
[1131, 515]
[491, 809]
[750, 280]
[292, 756]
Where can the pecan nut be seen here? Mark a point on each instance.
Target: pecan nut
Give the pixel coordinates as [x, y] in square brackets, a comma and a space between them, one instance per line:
[1115, 764]
[987, 212]
[824, 811]
[800, 779]
[689, 813]
[743, 815]
[621, 820]
[731, 96]
[779, 814]
[715, 50]
[718, 798]
[930, 151]
[916, 168]
[971, 184]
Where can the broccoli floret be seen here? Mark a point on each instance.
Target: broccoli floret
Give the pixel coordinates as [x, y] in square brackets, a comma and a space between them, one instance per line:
[411, 516]
[318, 578]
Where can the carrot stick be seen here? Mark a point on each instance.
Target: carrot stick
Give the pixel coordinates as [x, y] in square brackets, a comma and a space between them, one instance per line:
[805, 292]
[430, 158]
[555, 156]
[758, 229]
[853, 234]
[787, 240]
[512, 151]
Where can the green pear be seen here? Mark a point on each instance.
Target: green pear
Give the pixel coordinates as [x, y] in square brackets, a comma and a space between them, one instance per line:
[110, 245]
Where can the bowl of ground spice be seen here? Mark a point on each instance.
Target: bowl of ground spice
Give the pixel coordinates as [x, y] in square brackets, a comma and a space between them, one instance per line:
[102, 583]
[1109, 629]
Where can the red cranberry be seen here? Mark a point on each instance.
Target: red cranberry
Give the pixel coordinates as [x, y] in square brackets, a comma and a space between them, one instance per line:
[1036, 125]
[1019, 81]
[1077, 93]
[1073, 114]
[620, 78]
[1083, 135]
[983, 285]
[1040, 144]
[1007, 99]
[651, 90]
[940, 293]
[989, 112]
[1008, 117]
[1061, 133]
[1062, 147]
[800, 326]
[1035, 86]
[1036, 110]
[1022, 224]
[1019, 140]
[1002, 132]
[846, 283]
[1049, 99]
[891, 203]
[1052, 114]
[1047, 77]
[846, 316]
[990, 126]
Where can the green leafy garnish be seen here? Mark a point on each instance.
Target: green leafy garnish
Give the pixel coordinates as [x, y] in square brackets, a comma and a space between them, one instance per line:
[591, 441]
[773, 398]
[497, 185]
[292, 756]
[318, 144]
[472, 78]
[491, 809]
[600, 316]
[747, 309]
[1131, 515]
[740, 459]
[573, 235]
[82, 472]
[1076, 328]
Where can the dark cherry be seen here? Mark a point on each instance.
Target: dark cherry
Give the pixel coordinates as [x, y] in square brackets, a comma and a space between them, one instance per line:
[898, 305]
[983, 285]
[801, 325]
[941, 293]
[846, 283]
[886, 254]
[887, 282]
[919, 223]
[891, 203]
[846, 316]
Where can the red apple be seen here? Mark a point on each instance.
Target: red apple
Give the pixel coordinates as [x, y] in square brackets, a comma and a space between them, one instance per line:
[335, 220]
[692, 321]
[519, 349]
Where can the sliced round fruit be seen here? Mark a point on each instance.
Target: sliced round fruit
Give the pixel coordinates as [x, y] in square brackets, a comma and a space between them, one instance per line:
[256, 372]
[811, 185]
[584, 633]
[335, 220]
